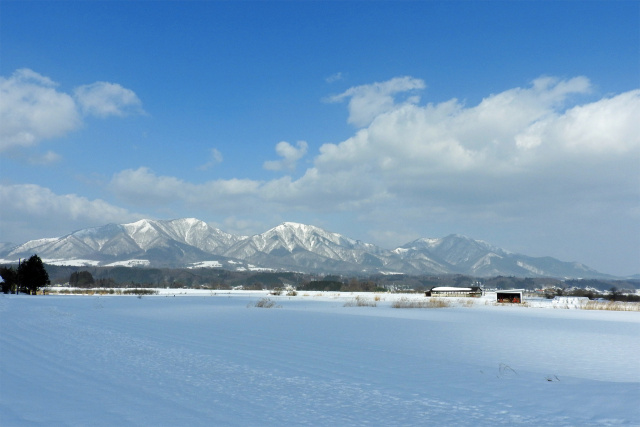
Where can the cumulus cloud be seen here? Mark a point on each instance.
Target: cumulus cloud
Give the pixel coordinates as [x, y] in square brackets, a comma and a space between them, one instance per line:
[25, 206]
[290, 156]
[513, 151]
[32, 108]
[507, 132]
[103, 99]
[368, 101]
[609, 126]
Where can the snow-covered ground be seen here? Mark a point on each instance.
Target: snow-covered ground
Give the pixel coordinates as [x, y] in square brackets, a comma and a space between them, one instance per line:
[213, 358]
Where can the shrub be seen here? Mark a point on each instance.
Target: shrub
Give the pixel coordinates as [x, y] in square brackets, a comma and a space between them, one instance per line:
[505, 370]
[266, 303]
[140, 292]
[405, 302]
[360, 302]
[276, 291]
[467, 302]
[611, 306]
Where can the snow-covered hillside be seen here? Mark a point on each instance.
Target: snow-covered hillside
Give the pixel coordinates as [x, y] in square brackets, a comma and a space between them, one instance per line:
[219, 360]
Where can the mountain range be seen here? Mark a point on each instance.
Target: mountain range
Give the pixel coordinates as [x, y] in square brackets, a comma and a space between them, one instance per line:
[191, 243]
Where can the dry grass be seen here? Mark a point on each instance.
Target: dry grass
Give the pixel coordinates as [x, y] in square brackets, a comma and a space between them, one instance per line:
[266, 303]
[612, 306]
[405, 302]
[102, 292]
[360, 302]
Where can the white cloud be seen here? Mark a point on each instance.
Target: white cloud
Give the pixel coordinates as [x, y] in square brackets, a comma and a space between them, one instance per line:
[143, 187]
[505, 133]
[510, 156]
[609, 126]
[290, 156]
[31, 199]
[334, 77]
[38, 212]
[103, 99]
[215, 157]
[368, 101]
[45, 159]
[32, 109]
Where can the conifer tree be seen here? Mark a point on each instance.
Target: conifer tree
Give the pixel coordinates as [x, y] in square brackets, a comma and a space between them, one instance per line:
[32, 275]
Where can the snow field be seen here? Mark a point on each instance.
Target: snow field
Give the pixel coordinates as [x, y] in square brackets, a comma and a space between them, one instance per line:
[219, 360]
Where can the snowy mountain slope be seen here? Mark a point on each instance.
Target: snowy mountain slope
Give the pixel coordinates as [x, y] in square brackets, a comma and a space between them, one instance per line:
[189, 231]
[293, 245]
[170, 243]
[464, 255]
[289, 246]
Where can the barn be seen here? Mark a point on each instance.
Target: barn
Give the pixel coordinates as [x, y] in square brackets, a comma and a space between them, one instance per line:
[450, 291]
[510, 296]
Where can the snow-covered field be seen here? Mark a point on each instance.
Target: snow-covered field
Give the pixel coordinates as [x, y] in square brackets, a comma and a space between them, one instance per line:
[205, 359]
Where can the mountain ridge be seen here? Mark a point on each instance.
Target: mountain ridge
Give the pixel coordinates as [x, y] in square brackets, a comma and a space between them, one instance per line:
[290, 246]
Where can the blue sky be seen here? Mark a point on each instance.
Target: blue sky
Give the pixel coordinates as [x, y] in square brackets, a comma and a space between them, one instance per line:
[511, 122]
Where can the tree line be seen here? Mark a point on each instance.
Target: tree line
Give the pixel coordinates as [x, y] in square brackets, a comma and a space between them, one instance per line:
[31, 276]
[28, 278]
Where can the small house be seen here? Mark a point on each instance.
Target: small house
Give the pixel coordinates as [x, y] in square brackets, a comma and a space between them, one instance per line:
[513, 296]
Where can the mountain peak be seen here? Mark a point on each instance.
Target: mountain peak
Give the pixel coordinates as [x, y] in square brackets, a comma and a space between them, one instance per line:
[292, 225]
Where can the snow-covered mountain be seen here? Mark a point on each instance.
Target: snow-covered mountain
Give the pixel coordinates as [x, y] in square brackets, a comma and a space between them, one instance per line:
[461, 254]
[308, 248]
[175, 243]
[189, 242]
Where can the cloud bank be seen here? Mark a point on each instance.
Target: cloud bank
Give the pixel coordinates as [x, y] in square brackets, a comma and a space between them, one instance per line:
[524, 147]
[28, 206]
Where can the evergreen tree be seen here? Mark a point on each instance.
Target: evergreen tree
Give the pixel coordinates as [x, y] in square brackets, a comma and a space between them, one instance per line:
[81, 278]
[32, 275]
[10, 279]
